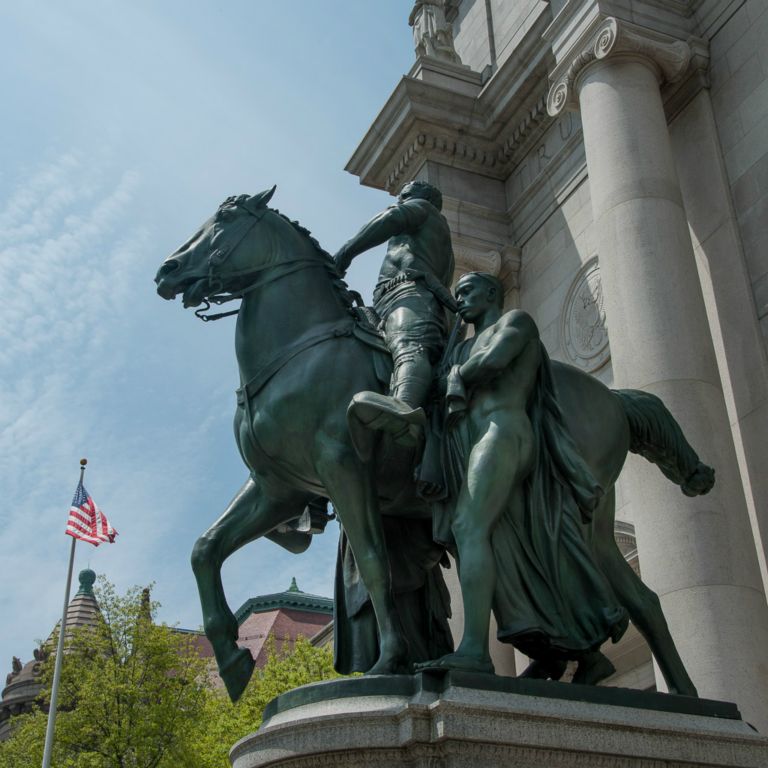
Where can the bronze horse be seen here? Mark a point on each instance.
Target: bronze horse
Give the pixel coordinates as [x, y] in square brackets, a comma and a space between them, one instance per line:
[302, 358]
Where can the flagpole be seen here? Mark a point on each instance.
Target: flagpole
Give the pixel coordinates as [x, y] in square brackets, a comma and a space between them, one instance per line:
[60, 649]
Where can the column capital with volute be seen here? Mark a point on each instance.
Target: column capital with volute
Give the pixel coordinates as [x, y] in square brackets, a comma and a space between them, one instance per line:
[611, 37]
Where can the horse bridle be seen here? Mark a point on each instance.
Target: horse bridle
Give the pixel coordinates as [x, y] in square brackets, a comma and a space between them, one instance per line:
[215, 260]
[220, 255]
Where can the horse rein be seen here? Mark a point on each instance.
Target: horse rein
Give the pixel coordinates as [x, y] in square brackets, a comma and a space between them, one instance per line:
[294, 266]
[219, 256]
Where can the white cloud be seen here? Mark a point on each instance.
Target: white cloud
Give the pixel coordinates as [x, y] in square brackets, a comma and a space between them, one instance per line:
[60, 241]
[91, 360]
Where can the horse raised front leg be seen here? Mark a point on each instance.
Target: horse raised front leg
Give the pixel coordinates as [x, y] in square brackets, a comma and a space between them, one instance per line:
[642, 603]
[351, 486]
[249, 515]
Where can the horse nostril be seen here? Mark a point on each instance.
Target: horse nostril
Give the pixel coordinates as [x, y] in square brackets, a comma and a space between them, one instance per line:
[172, 265]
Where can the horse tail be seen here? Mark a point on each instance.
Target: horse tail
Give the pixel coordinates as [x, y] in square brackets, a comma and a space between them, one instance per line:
[657, 437]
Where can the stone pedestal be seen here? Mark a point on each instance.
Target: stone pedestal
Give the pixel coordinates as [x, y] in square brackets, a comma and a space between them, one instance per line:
[468, 720]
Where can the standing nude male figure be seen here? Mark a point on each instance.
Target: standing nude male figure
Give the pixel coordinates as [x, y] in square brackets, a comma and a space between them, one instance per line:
[491, 451]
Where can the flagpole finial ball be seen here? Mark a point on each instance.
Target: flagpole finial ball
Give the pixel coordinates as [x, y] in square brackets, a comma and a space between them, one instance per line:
[83, 462]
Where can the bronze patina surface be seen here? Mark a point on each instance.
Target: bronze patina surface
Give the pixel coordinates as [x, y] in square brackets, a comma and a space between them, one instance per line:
[530, 452]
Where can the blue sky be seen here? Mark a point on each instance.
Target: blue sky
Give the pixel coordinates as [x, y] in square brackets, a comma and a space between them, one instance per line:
[124, 126]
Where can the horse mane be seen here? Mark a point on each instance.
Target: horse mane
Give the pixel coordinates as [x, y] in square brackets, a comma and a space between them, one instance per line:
[304, 231]
[337, 281]
[339, 284]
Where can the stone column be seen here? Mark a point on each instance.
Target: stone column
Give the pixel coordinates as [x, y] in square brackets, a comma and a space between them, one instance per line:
[697, 554]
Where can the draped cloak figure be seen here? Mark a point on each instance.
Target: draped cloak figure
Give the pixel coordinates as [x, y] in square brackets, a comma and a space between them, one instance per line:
[551, 601]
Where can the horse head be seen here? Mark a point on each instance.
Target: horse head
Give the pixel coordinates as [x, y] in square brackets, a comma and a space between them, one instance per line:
[214, 259]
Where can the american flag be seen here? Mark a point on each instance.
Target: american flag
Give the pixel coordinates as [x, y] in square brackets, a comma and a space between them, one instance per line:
[86, 521]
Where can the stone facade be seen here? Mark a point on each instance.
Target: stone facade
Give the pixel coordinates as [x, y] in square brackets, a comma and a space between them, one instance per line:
[607, 160]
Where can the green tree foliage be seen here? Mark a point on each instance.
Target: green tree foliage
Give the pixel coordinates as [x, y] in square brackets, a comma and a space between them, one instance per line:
[130, 693]
[223, 723]
[25, 748]
[136, 695]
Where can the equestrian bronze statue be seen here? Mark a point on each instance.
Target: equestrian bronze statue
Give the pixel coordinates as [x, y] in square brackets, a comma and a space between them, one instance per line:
[304, 352]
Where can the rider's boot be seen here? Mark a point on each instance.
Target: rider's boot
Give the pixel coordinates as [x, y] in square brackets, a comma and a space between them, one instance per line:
[383, 413]
[400, 413]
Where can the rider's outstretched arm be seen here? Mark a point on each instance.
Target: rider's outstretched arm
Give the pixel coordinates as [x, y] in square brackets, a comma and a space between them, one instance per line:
[514, 331]
[393, 221]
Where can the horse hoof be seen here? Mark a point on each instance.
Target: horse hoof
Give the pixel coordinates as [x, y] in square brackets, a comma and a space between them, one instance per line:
[685, 690]
[237, 672]
[549, 669]
[396, 664]
[457, 662]
[388, 667]
[591, 671]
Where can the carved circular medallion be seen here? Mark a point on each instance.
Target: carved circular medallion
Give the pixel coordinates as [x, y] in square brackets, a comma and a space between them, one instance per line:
[585, 335]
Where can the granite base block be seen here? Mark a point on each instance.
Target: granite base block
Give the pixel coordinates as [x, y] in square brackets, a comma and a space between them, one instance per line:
[462, 721]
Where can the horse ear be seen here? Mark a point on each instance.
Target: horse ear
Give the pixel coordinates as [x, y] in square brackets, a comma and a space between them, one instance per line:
[263, 198]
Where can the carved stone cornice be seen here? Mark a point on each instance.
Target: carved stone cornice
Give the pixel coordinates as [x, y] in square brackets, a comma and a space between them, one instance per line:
[463, 151]
[535, 117]
[489, 155]
[449, 114]
[613, 37]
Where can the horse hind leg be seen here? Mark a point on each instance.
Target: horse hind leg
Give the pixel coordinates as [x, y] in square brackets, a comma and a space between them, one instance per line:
[641, 603]
[248, 516]
[644, 608]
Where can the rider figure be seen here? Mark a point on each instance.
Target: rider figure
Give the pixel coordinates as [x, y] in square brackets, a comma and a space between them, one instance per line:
[411, 295]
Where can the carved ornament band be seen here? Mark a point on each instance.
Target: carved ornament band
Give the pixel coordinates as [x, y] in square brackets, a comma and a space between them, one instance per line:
[612, 37]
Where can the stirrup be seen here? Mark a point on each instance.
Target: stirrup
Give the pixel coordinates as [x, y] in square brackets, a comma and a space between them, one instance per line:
[383, 413]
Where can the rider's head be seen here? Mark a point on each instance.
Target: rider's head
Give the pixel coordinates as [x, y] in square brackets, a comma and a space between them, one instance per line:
[476, 293]
[423, 191]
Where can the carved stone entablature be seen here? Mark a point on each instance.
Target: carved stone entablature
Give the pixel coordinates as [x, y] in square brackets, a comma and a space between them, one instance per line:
[463, 152]
[492, 158]
[613, 37]
[447, 112]
[584, 332]
[517, 138]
